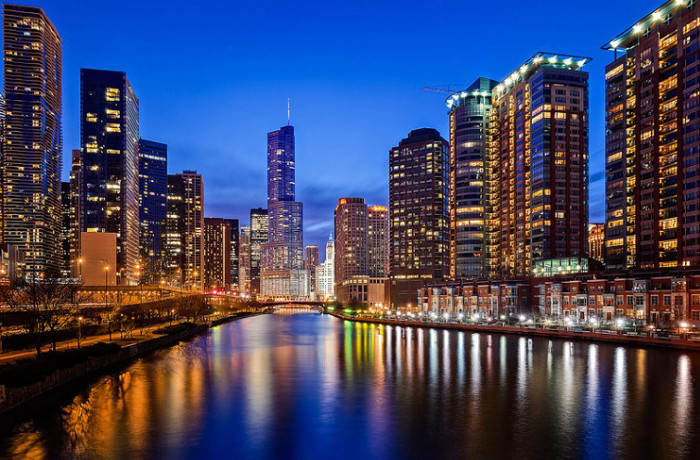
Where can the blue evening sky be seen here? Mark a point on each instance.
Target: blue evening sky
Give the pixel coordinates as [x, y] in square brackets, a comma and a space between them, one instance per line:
[213, 78]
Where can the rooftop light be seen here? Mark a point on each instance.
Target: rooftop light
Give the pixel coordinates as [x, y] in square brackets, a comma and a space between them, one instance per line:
[656, 15]
[553, 59]
[637, 28]
[615, 43]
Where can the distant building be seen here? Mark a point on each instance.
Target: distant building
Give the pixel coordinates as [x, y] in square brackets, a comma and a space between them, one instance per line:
[32, 143]
[354, 281]
[596, 242]
[76, 215]
[651, 143]
[234, 252]
[470, 112]
[217, 254]
[66, 231]
[185, 230]
[310, 265]
[418, 202]
[109, 142]
[537, 167]
[153, 209]
[325, 275]
[244, 261]
[258, 237]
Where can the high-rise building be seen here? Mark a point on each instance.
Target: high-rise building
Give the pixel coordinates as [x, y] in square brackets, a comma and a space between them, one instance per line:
[217, 254]
[234, 251]
[66, 270]
[310, 265]
[184, 242]
[651, 143]
[596, 242]
[325, 274]
[153, 209]
[258, 237]
[33, 139]
[244, 261]
[537, 164]
[75, 213]
[418, 202]
[109, 139]
[360, 268]
[470, 111]
[283, 254]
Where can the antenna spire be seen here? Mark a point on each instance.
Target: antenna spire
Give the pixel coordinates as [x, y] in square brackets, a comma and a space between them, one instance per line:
[289, 112]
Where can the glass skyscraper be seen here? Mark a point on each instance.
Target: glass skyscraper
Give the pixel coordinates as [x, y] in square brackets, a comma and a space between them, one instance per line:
[469, 113]
[283, 254]
[153, 208]
[109, 140]
[33, 140]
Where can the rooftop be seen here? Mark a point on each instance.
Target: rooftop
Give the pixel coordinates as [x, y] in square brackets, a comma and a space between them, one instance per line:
[629, 38]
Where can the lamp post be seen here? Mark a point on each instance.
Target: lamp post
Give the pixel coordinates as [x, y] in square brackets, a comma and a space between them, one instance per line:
[80, 268]
[80, 321]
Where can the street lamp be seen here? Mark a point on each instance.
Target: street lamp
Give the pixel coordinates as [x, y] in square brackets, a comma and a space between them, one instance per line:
[80, 268]
[80, 321]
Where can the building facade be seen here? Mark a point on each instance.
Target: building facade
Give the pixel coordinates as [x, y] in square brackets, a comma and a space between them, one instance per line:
[470, 112]
[32, 143]
[353, 273]
[185, 230]
[244, 261]
[153, 209]
[258, 237]
[283, 255]
[217, 254]
[652, 145]
[418, 202]
[596, 242]
[537, 164]
[310, 265]
[325, 274]
[109, 143]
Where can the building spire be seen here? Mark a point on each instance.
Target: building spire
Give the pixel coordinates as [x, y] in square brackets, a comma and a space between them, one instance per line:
[289, 112]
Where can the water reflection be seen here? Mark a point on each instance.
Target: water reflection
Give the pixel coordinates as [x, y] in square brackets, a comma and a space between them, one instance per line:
[310, 386]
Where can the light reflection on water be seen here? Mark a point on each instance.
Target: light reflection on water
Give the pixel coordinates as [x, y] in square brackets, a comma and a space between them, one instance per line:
[312, 386]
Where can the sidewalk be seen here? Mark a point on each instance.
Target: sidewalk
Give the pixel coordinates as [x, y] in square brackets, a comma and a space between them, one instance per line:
[134, 336]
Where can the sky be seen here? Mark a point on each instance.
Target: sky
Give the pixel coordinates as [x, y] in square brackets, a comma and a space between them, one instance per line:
[213, 78]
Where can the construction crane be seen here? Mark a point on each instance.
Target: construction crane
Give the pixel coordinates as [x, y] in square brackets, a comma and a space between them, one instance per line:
[447, 89]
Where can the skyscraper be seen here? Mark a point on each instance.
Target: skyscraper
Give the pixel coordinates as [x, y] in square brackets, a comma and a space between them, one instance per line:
[283, 256]
[310, 265]
[33, 139]
[185, 229]
[470, 111]
[153, 208]
[537, 168]
[418, 202]
[258, 237]
[76, 216]
[651, 143]
[325, 274]
[244, 261]
[66, 270]
[360, 268]
[109, 138]
[217, 254]
[234, 252]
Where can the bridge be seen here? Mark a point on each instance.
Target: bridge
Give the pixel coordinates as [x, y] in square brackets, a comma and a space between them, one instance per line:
[295, 304]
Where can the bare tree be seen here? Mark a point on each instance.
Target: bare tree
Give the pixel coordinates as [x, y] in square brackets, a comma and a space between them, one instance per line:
[49, 304]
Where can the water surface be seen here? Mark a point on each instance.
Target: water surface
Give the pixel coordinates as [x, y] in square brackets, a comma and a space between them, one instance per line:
[312, 386]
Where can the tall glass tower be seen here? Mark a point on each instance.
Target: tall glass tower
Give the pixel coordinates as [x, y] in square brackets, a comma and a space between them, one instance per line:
[32, 142]
[283, 255]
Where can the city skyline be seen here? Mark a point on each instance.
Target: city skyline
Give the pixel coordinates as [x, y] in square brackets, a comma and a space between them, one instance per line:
[313, 90]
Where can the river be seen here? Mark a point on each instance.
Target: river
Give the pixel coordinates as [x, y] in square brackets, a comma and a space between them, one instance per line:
[310, 386]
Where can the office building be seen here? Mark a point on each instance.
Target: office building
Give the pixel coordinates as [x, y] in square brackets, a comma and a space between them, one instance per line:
[217, 254]
[652, 147]
[283, 256]
[596, 242]
[325, 274]
[537, 164]
[234, 251]
[153, 209]
[109, 141]
[185, 230]
[66, 269]
[32, 143]
[355, 279]
[76, 216]
[470, 112]
[258, 237]
[244, 261]
[418, 202]
[310, 265]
